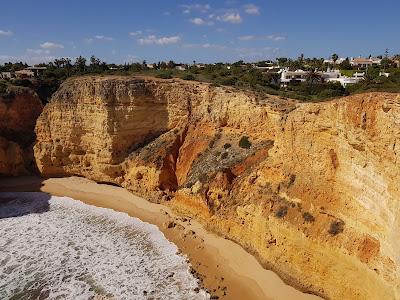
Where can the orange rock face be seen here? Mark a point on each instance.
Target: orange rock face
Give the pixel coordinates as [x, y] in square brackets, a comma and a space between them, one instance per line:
[18, 114]
[314, 194]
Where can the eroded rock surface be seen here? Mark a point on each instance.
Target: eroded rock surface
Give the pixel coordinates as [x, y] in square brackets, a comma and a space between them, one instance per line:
[18, 113]
[314, 194]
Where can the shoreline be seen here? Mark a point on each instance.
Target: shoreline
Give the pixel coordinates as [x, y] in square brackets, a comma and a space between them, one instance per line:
[225, 269]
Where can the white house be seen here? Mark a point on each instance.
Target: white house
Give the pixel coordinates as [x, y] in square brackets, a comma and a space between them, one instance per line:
[330, 61]
[345, 81]
[361, 62]
[328, 76]
[7, 75]
[292, 76]
[180, 67]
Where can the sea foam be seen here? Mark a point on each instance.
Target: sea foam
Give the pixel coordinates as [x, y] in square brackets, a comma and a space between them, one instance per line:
[60, 248]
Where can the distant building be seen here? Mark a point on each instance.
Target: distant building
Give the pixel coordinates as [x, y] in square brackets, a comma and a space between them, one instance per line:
[7, 75]
[386, 74]
[361, 62]
[288, 77]
[359, 75]
[36, 70]
[298, 76]
[24, 74]
[332, 62]
[180, 67]
[345, 81]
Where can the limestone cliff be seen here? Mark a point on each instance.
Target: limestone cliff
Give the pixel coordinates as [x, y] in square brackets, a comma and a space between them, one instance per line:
[312, 191]
[19, 109]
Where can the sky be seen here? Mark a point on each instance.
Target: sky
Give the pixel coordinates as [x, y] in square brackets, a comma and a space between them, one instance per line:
[119, 31]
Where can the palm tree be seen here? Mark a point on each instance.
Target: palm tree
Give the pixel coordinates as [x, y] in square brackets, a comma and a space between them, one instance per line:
[335, 57]
[313, 77]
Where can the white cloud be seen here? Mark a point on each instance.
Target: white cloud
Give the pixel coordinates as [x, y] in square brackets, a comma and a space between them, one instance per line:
[232, 17]
[6, 33]
[154, 40]
[103, 38]
[189, 8]
[276, 37]
[246, 37]
[200, 21]
[38, 51]
[251, 9]
[257, 53]
[272, 37]
[51, 45]
[205, 46]
[135, 33]
[30, 59]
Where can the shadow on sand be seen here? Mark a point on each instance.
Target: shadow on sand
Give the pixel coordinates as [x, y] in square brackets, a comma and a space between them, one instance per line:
[16, 204]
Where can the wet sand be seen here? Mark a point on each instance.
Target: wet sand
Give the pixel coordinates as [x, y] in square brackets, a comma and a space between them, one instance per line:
[226, 269]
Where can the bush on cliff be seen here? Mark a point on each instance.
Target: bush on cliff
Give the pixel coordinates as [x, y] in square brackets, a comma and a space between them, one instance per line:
[336, 227]
[244, 142]
[188, 77]
[165, 75]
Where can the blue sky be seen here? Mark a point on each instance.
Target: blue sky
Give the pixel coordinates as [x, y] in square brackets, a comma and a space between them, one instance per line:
[206, 31]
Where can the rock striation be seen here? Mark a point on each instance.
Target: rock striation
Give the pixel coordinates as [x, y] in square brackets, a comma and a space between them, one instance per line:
[310, 188]
[19, 110]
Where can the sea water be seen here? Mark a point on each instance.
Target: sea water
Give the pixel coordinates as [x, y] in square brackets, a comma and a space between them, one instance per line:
[60, 248]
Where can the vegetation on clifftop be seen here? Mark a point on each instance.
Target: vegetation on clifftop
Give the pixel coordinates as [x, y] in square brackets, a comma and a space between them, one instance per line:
[240, 75]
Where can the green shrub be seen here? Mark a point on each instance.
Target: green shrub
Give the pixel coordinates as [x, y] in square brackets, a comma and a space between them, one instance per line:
[244, 142]
[227, 146]
[281, 212]
[308, 217]
[336, 227]
[3, 88]
[165, 75]
[188, 77]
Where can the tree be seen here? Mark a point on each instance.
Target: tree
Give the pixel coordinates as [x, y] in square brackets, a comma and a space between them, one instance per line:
[80, 63]
[171, 64]
[385, 62]
[94, 61]
[345, 65]
[313, 77]
[335, 57]
[282, 61]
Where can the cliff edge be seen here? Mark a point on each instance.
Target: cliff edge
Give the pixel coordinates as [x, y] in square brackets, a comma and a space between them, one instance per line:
[310, 188]
[19, 109]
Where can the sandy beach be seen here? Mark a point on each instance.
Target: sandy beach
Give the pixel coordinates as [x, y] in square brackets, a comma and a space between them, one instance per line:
[226, 269]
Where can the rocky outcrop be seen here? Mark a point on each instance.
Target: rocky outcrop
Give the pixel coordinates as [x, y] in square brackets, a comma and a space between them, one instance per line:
[19, 109]
[311, 189]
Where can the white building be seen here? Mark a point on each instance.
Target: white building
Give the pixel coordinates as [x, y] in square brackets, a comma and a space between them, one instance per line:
[328, 76]
[180, 67]
[330, 61]
[361, 62]
[292, 76]
[7, 75]
[345, 81]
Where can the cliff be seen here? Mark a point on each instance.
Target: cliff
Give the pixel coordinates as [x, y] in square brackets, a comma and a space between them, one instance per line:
[19, 109]
[311, 189]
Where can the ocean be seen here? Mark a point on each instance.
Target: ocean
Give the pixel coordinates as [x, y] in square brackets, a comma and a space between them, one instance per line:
[60, 248]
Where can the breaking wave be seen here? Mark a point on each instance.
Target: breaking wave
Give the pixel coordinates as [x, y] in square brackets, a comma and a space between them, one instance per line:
[60, 248]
